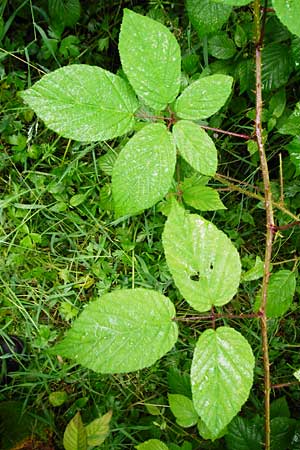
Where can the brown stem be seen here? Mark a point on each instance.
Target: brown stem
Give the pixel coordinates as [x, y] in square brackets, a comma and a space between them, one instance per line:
[214, 316]
[230, 133]
[283, 385]
[269, 217]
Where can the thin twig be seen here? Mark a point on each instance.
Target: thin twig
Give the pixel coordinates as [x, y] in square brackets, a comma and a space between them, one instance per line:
[215, 316]
[230, 133]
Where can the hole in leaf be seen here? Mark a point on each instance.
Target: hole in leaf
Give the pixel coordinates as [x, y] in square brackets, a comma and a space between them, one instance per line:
[195, 276]
[211, 266]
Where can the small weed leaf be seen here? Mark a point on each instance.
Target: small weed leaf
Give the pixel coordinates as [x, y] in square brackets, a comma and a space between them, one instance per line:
[84, 103]
[204, 263]
[151, 59]
[152, 444]
[144, 170]
[196, 147]
[207, 16]
[204, 97]
[123, 331]
[183, 409]
[98, 430]
[289, 14]
[281, 291]
[75, 435]
[221, 375]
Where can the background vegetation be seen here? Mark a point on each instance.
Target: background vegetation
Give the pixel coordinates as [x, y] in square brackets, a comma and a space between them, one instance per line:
[61, 245]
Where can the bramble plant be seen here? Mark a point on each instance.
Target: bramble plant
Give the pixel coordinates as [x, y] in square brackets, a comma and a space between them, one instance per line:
[130, 329]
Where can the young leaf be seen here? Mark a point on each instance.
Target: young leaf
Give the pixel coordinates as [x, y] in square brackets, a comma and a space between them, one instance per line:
[221, 375]
[281, 291]
[204, 97]
[84, 103]
[123, 331]
[207, 16]
[196, 147]
[183, 409]
[203, 198]
[244, 434]
[98, 430]
[143, 172]
[152, 444]
[204, 263]
[75, 435]
[289, 14]
[150, 57]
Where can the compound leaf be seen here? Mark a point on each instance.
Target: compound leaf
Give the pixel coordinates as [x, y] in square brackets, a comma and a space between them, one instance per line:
[84, 103]
[123, 331]
[151, 59]
[143, 172]
[75, 435]
[207, 16]
[204, 263]
[289, 14]
[204, 97]
[221, 375]
[196, 147]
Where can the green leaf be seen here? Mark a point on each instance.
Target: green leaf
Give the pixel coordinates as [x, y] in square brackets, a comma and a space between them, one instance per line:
[66, 11]
[98, 430]
[151, 59]
[221, 375]
[234, 2]
[84, 103]
[206, 433]
[123, 331]
[221, 46]
[277, 66]
[292, 124]
[75, 435]
[152, 444]
[204, 263]
[204, 97]
[58, 398]
[279, 408]
[297, 374]
[244, 434]
[144, 170]
[294, 153]
[245, 73]
[282, 432]
[183, 409]
[196, 147]
[281, 291]
[256, 272]
[203, 198]
[288, 11]
[207, 16]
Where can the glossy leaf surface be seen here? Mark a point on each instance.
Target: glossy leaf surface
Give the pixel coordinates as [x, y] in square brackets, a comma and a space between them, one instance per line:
[84, 103]
[288, 11]
[207, 16]
[123, 331]
[221, 375]
[144, 170]
[204, 97]
[195, 146]
[204, 263]
[151, 59]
